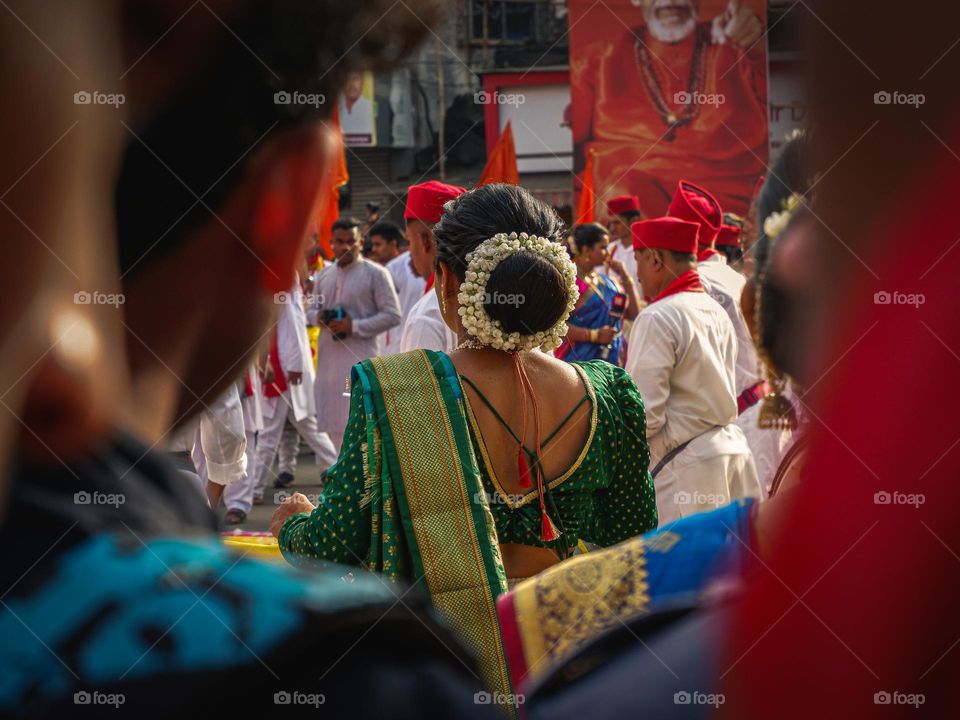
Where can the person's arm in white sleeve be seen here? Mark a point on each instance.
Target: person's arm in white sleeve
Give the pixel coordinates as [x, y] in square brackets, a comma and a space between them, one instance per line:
[388, 308]
[223, 443]
[651, 361]
[289, 323]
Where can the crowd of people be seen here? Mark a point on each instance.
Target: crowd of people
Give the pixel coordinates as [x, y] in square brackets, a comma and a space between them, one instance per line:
[566, 472]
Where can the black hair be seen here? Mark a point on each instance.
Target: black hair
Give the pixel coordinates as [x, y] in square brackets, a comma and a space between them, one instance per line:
[789, 175]
[733, 253]
[682, 256]
[198, 142]
[588, 234]
[780, 309]
[630, 215]
[345, 223]
[478, 215]
[387, 230]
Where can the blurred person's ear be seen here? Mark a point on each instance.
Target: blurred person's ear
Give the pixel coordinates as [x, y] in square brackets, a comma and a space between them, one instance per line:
[287, 188]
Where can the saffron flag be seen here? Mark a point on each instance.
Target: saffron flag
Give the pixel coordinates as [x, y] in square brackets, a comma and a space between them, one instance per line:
[330, 209]
[588, 198]
[501, 166]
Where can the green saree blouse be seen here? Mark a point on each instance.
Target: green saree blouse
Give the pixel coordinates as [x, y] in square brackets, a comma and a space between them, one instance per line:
[605, 497]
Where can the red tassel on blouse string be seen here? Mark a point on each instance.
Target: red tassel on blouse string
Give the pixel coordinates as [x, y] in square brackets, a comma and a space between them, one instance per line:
[548, 531]
[523, 468]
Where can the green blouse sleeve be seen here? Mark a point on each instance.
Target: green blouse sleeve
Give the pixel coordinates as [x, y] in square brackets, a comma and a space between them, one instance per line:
[338, 529]
[627, 507]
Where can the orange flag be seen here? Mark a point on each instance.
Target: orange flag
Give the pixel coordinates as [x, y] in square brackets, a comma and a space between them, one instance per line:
[330, 210]
[588, 198]
[501, 166]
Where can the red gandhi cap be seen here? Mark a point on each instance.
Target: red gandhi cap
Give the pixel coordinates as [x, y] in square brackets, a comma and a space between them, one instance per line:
[622, 204]
[425, 201]
[729, 236]
[666, 233]
[694, 204]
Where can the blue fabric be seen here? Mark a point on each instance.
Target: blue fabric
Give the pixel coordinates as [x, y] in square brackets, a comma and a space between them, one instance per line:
[120, 611]
[595, 314]
[685, 555]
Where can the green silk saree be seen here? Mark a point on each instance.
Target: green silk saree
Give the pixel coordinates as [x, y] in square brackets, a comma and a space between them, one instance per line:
[430, 521]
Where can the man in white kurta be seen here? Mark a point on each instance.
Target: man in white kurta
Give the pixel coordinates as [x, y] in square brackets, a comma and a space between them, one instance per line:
[424, 327]
[721, 282]
[363, 292]
[683, 361]
[410, 288]
[624, 210]
[249, 390]
[218, 445]
[296, 402]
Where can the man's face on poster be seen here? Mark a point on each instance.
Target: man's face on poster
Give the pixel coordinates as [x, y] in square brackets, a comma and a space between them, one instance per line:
[354, 87]
[670, 20]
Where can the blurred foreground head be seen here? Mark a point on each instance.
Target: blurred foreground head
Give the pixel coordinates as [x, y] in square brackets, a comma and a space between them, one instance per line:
[61, 374]
[228, 152]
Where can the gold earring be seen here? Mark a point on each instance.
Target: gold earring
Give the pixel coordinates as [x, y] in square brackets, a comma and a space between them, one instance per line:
[443, 303]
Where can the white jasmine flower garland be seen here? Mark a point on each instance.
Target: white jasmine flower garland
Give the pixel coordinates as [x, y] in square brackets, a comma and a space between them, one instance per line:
[473, 292]
[777, 222]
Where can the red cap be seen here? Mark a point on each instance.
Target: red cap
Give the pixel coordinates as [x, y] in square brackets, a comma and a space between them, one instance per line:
[622, 204]
[425, 201]
[729, 236]
[695, 204]
[666, 233]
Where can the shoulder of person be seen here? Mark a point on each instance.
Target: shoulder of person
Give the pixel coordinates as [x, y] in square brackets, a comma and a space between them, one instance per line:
[604, 376]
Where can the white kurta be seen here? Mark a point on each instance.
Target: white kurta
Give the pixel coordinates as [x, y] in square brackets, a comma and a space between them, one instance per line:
[725, 285]
[425, 328]
[683, 357]
[409, 289]
[293, 346]
[365, 291]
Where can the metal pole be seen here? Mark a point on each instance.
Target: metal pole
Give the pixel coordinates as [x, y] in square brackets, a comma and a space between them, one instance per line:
[441, 98]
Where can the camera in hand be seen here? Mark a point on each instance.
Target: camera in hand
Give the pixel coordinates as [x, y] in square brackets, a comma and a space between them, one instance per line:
[618, 307]
[336, 313]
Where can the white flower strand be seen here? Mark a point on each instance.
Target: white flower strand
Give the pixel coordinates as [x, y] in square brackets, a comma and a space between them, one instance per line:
[473, 292]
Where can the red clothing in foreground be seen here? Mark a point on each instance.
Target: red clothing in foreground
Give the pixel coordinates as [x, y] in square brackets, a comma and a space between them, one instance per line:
[863, 595]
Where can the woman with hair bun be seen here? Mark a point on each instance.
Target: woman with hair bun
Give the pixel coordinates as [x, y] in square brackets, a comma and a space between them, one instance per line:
[488, 465]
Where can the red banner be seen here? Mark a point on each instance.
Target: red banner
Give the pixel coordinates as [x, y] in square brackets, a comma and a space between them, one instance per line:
[669, 89]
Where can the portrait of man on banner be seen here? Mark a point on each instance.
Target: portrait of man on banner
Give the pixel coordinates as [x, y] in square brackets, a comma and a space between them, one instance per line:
[669, 89]
[358, 111]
